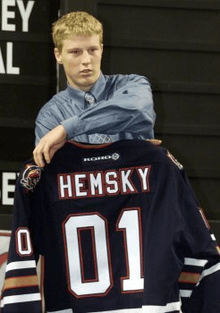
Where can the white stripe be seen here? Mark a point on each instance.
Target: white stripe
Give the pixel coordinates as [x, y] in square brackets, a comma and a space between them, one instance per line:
[209, 271]
[174, 306]
[62, 311]
[185, 293]
[20, 265]
[3, 232]
[139, 310]
[20, 298]
[213, 237]
[195, 262]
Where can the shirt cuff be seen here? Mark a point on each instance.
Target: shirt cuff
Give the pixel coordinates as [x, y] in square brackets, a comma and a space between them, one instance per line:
[73, 126]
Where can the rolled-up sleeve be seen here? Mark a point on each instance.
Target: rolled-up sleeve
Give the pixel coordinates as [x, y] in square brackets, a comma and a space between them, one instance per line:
[129, 108]
[46, 121]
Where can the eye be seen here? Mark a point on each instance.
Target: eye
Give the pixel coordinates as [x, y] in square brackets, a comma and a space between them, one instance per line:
[92, 50]
[74, 52]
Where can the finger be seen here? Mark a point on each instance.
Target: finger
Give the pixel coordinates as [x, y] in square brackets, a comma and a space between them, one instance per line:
[155, 142]
[39, 161]
[38, 158]
[46, 154]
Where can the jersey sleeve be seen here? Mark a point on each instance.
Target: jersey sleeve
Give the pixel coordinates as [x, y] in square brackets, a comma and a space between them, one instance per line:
[200, 278]
[21, 292]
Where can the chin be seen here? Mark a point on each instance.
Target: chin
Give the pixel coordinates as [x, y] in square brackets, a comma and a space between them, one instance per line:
[89, 82]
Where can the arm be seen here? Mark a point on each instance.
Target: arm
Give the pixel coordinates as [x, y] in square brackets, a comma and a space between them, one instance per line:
[200, 278]
[128, 109]
[21, 287]
[49, 144]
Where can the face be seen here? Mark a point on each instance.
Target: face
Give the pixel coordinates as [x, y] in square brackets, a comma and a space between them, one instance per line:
[81, 59]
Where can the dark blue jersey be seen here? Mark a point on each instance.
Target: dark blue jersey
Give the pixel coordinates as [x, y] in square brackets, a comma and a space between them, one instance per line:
[119, 230]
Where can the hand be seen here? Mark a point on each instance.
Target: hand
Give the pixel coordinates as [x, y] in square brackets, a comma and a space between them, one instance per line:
[48, 145]
[155, 142]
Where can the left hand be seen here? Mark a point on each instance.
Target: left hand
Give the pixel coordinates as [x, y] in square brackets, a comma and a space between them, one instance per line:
[155, 142]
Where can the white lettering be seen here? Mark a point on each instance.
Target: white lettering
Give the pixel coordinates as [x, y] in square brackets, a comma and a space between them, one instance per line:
[2, 67]
[113, 184]
[96, 184]
[25, 14]
[7, 188]
[126, 184]
[79, 185]
[98, 158]
[6, 14]
[10, 68]
[65, 186]
[143, 174]
[99, 183]
[23, 242]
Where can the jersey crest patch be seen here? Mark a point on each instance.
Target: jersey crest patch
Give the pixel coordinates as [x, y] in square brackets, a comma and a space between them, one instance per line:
[177, 163]
[31, 176]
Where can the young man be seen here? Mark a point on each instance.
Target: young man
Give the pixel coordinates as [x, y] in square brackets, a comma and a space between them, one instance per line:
[94, 108]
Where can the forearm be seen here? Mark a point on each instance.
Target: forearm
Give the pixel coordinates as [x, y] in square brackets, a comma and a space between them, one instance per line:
[128, 107]
[43, 126]
[110, 120]
[127, 111]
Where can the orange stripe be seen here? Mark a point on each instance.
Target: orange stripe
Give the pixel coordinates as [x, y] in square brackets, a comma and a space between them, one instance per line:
[3, 258]
[92, 146]
[23, 281]
[191, 278]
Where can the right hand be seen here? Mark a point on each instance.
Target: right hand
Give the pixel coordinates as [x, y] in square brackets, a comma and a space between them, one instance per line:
[48, 145]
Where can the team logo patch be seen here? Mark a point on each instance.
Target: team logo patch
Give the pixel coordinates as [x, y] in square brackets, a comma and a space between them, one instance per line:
[31, 176]
[178, 164]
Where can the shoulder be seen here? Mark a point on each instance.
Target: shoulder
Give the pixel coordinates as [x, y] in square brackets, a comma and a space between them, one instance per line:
[122, 80]
[125, 78]
[145, 150]
[127, 83]
[58, 99]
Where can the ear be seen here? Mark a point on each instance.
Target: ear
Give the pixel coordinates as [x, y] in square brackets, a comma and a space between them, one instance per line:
[58, 56]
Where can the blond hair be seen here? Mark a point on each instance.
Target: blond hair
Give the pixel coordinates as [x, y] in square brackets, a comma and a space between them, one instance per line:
[78, 24]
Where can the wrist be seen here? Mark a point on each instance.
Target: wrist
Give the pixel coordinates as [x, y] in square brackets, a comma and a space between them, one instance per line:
[71, 126]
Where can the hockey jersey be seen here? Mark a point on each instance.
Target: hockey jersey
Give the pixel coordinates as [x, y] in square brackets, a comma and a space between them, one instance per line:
[119, 230]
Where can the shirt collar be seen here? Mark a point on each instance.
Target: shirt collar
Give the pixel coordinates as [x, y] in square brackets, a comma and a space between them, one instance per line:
[99, 87]
[79, 95]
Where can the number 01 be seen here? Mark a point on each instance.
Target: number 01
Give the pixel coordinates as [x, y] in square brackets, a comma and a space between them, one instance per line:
[129, 223]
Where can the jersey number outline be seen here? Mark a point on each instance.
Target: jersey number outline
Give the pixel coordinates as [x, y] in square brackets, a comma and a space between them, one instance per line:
[129, 222]
[23, 242]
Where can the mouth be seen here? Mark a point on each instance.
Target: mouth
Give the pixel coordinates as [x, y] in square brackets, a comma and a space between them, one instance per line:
[87, 71]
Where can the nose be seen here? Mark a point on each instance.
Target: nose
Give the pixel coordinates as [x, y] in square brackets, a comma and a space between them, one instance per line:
[86, 58]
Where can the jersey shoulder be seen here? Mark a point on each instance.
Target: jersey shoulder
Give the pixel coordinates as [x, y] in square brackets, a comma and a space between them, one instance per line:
[30, 176]
[119, 153]
[141, 149]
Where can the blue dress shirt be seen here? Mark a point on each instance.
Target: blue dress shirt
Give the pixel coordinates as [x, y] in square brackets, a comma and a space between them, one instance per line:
[123, 109]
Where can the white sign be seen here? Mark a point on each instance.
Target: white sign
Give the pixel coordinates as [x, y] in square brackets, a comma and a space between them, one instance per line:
[9, 9]
[8, 181]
